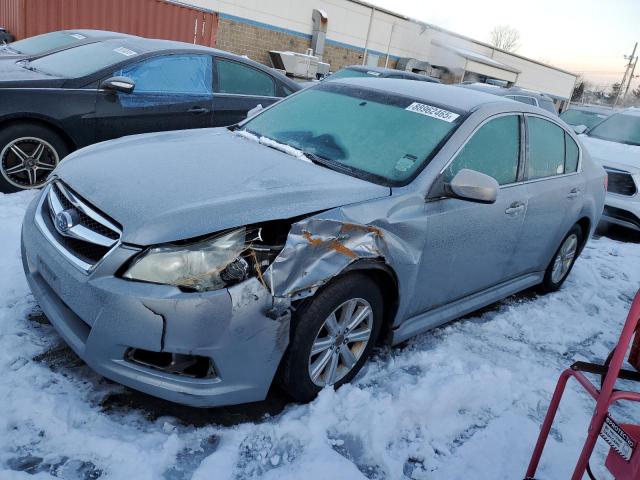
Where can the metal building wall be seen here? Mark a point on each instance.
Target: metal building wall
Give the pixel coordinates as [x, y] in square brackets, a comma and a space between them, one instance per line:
[148, 18]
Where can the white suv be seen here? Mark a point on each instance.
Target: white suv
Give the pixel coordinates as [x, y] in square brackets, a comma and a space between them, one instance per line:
[615, 144]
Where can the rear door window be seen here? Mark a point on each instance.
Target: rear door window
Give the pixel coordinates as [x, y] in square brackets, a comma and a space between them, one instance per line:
[546, 149]
[493, 150]
[237, 78]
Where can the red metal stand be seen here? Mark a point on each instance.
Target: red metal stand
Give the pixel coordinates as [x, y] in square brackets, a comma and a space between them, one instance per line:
[623, 460]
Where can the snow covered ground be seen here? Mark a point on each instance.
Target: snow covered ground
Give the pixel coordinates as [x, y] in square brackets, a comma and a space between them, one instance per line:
[462, 402]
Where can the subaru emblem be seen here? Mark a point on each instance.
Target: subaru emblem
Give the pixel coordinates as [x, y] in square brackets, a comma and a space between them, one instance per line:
[64, 221]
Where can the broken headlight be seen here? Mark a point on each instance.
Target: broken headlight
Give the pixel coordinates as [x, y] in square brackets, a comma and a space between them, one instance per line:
[209, 264]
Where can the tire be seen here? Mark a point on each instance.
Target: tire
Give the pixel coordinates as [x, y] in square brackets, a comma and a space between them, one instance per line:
[554, 278]
[309, 327]
[28, 154]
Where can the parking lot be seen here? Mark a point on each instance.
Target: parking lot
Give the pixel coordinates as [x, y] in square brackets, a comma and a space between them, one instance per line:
[468, 397]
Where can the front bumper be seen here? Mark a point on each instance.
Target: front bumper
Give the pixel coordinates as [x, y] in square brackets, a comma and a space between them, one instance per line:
[622, 210]
[102, 316]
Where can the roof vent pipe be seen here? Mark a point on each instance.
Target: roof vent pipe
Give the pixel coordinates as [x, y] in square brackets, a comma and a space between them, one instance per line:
[319, 34]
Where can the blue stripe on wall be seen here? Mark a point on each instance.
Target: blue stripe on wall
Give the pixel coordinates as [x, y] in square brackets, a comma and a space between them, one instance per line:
[300, 34]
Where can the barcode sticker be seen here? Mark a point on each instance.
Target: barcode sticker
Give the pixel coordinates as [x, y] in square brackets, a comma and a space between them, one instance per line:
[125, 51]
[431, 111]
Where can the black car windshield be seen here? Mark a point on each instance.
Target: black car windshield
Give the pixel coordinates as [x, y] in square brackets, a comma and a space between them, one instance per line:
[83, 60]
[581, 117]
[368, 133]
[620, 128]
[47, 42]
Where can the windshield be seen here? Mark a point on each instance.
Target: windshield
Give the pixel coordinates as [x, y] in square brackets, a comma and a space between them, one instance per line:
[580, 117]
[366, 133]
[83, 60]
[618, 128]
[47, 42]
[348, 73]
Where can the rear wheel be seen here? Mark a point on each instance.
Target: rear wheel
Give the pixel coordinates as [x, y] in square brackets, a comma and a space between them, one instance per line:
[28, 155]
[333, 335]
[563, 260]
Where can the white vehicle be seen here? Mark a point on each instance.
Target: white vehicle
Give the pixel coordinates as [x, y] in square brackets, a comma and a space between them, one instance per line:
[615, 144]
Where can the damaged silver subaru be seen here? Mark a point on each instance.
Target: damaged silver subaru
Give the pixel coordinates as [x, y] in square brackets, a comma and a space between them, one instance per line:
[201, 266]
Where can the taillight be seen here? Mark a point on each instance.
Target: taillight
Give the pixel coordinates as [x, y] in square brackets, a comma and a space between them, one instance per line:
[606, 182]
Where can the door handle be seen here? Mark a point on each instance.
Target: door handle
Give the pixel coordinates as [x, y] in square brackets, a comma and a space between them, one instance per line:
[198, 110]
[573, 193]
[515, 208]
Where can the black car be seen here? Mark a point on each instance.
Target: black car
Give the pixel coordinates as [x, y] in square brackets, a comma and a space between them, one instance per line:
[5, 37]
[379, 72]
[47, 43]
[104, 90]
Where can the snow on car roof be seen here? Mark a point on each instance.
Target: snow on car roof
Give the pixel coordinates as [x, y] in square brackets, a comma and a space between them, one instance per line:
[457, 98]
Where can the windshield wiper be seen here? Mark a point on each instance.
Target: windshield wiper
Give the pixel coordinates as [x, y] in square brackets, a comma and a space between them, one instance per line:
[26, 64]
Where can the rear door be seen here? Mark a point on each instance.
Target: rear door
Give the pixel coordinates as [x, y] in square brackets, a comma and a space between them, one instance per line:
[172, 92]
[239, 87]
[554, 189]
[470, 246]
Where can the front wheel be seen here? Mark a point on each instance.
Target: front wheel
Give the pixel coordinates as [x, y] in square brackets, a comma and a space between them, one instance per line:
[333, 335]
[563, 260]
[28, 155]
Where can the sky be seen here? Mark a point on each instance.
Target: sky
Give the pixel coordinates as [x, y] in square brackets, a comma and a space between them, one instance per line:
[588, 37]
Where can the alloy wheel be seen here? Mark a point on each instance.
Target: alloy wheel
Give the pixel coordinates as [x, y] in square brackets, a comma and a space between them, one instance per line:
[340, 342]
[26, 162]
[564, 258]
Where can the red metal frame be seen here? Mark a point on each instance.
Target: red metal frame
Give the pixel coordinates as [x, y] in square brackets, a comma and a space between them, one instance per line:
[604, 397]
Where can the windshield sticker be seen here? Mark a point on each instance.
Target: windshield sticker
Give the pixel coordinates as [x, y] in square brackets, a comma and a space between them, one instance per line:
[406, 162]
[77, 36]
[375, 74]
[431, 111]
[125, 51]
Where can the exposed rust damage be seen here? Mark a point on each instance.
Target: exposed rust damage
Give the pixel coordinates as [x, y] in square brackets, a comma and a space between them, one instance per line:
[332, 243]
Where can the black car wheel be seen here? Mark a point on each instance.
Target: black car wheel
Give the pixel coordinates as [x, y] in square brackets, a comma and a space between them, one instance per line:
[28, 155]
[563, 260]
[332, 336]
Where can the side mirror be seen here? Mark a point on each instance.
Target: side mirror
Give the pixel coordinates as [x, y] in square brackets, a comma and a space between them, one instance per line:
[579, 129]
[118, 84]
[473, 186]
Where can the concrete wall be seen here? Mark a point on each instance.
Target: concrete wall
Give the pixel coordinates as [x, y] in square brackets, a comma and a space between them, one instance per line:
[253, 27]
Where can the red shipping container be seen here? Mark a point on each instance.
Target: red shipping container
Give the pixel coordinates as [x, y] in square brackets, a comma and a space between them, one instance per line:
[147, 18]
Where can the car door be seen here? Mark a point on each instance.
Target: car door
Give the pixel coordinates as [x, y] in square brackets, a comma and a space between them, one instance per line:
[172, 92]
[239, 87]
[554, 191]
[470, 246]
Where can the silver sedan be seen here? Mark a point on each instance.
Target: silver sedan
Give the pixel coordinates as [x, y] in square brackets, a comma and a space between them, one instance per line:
[200, 266]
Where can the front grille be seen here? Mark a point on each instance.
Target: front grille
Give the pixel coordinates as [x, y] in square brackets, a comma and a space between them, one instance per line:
[86, 236]
[621, 182]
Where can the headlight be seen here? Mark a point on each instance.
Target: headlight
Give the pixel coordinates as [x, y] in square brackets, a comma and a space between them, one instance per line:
[206, 265]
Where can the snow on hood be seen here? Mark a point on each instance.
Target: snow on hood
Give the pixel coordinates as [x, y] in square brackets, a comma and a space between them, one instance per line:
[170, 186]
[612, 154]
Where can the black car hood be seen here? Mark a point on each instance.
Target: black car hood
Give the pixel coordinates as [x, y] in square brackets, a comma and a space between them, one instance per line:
[163, 187]
[13, 75]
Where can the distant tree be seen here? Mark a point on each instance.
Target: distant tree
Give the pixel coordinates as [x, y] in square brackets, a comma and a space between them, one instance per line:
[578, 92]
[636, 93]
[505, 37]
[615, 90]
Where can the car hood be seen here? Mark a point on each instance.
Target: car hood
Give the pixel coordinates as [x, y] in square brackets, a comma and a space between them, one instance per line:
[612, 154]
[12, 75]
[170, 186]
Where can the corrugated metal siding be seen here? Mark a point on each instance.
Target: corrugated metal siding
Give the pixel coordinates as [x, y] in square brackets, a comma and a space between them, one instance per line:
[148, 18]
[12, 16]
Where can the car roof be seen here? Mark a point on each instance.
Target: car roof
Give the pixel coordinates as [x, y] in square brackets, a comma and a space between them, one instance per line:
[97, 34]
[594, 108]
[391, 71]
[464, 100]
[502, 91]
